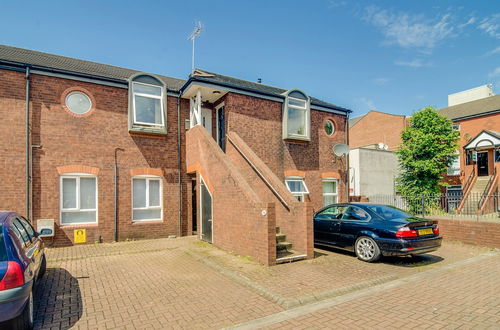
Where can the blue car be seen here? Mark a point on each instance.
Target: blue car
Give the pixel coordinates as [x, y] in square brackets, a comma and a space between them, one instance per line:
[22, 263]
[373, 230]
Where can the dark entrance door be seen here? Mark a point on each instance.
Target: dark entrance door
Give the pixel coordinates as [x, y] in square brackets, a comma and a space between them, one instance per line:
[221, 128]
[194, 207]
[482, 163]
[206, 213]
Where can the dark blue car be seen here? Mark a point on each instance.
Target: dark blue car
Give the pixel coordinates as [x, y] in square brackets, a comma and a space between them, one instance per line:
[22, 262]
[372, 231]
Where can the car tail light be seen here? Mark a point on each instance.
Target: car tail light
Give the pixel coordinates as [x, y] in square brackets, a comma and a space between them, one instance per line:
[436, 230]
[406, 232]
[13, 278]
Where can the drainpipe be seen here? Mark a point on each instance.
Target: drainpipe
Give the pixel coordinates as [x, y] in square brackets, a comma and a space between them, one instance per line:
[28, 147]
[179, 160]
[347, 158]
[116, 194]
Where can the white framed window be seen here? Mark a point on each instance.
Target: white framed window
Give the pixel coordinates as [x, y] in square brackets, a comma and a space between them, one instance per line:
[147, 104]
[78, 102]
[147, 198]
[78, 199]
[330, 191]
[454, 168]
[296, 116]
[297, 187]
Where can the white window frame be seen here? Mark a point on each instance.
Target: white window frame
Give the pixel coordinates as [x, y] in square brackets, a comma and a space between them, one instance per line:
[300, 196]
[307, 111]
[161, 98]
[147, 207]
[451, 171]
[77, 176]
[336, 193]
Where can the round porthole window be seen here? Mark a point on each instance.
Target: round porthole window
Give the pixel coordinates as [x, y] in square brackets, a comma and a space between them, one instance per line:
[78, 102]
[329, 127]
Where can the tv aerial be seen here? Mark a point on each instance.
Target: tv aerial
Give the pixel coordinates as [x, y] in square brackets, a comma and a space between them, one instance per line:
[196, 32]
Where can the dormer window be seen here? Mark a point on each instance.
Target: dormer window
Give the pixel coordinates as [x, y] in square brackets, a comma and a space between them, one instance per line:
[296, 116]
[147, 105]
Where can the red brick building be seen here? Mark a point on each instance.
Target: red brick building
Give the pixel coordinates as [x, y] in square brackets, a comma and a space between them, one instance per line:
[125, 154]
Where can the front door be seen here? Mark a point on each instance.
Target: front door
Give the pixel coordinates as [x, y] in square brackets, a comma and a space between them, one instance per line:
[206, 212]
[194, 212]
[206, 119]
[482, 163]
[221, 128]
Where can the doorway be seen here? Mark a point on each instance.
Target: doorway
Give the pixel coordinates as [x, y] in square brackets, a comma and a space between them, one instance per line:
[221, 128]
[194, 207]
[482, 163]
[205, 212]
[206, 119]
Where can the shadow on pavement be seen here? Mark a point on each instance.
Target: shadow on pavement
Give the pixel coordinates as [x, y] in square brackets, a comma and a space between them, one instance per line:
[58, 300]
[408, 261]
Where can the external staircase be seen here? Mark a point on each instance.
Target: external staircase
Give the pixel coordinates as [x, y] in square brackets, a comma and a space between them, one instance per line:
[284, 252]
[471, 204]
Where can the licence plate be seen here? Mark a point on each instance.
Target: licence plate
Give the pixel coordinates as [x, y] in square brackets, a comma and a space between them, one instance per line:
[426, 231]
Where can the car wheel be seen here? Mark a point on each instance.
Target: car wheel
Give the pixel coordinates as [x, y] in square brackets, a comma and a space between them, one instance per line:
[43, 267]
[367, 249]
[25, 320]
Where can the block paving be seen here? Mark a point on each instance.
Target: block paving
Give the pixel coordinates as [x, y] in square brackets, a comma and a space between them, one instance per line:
[184, 283]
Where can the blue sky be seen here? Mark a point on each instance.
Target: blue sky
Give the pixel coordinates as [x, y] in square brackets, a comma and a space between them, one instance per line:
[392, 56]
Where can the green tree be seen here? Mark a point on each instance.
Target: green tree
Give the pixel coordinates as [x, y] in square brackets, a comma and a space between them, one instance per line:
[428, 147]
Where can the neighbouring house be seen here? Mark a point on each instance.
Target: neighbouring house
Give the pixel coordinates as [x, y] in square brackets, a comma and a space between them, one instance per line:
[125, 154]
[474, 173]
[473, 177]
[377, 128]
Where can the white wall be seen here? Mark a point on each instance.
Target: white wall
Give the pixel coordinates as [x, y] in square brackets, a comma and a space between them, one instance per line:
[373, 172]
[470, 95]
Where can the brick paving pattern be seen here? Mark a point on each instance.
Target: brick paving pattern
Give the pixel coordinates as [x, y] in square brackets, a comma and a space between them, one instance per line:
[467, 297]
[173, 283]
[139, 290]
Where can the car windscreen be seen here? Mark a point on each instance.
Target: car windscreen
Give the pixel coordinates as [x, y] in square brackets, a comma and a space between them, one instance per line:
[3, 251]
[388, 212]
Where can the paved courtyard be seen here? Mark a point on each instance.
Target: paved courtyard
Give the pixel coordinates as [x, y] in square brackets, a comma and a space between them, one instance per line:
[183, 283]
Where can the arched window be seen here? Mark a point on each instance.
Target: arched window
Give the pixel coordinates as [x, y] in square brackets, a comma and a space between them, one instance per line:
[296, 116]
[147, 104]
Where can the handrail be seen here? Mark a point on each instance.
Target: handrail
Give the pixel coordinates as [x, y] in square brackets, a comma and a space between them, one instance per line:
[469, 180]
[465, 190]
[259, 173]
[487, 189]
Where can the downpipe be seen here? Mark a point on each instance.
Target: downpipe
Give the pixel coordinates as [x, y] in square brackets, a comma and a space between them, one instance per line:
[28, 148]
[116, 194]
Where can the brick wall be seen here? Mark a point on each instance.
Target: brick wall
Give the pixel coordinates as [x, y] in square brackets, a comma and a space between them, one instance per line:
[239, 223]
[88, 140]
[294, 218]
[259, 123]
[471, 231]
[376, 127]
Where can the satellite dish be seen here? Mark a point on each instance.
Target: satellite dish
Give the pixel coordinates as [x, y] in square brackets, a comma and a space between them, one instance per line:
[380, 145]
[341, 149]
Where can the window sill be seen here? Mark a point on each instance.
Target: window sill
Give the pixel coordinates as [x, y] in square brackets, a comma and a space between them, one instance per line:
[78, 226]
[142, 130]
[146, 222]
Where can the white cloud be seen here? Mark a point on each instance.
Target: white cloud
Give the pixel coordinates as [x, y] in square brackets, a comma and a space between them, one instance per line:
[337, 3]
[495, 73]
[380, 81]
[493, 51]
[416, 63]
[491, 25]
[368, 103]
[409, 30]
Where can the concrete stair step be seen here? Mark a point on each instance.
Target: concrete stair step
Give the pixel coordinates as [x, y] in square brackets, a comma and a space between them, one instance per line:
[280, 238]
[289, 256]
[283, 246]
